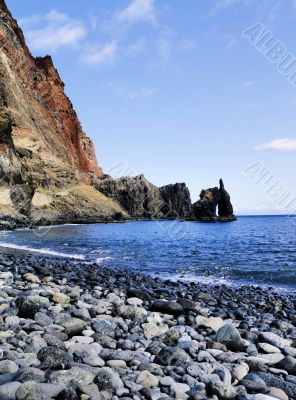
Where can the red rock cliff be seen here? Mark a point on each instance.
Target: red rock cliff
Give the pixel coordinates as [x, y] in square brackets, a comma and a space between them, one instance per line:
[45, 137]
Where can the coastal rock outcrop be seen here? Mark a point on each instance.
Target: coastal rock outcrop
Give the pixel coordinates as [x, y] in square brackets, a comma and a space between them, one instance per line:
[136, 195]
[176, 201]
[143, 200]
[205, 209]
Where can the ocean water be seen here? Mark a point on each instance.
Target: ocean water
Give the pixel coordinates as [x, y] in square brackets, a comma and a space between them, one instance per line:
[253, 250]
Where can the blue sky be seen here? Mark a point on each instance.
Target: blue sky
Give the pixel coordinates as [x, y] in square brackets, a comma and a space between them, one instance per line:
[175, 90]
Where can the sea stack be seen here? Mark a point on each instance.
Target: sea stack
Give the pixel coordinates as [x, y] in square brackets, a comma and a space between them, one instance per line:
[212, 199]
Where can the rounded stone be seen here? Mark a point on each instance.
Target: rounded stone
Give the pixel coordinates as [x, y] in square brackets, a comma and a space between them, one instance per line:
[29, 277]
[54, 357]
[146, 379]
[228, 333]
[61, 298]
[74, 326]
[8, 367]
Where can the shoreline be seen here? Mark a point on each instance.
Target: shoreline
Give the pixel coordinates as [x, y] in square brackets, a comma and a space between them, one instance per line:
[70, 328]
[202, 280]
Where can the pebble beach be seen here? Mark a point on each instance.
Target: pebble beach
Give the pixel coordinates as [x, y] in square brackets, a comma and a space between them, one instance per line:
[73, 330]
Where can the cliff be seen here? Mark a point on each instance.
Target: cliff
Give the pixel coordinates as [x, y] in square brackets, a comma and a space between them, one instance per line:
[41, 117]
[43, 148]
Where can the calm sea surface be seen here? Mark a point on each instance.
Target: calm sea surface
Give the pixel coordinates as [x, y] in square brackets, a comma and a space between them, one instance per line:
[258, 250]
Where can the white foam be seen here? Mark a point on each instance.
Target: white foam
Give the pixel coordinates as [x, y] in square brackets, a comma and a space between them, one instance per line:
[101, 259]
[42, 251]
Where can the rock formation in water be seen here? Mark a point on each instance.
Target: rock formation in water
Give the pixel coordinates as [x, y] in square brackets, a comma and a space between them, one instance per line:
[143, 200]
[176, 201]
[205, 209]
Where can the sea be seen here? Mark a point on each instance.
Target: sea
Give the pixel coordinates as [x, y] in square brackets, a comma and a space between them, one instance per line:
[257, 250]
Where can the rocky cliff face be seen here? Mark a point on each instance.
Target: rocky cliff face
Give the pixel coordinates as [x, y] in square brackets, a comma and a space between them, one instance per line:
[143, 200]
[37, 116]
[46, 160]
[205, 209]
[136, 195]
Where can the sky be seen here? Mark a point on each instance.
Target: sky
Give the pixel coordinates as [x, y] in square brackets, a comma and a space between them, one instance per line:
[181, 91]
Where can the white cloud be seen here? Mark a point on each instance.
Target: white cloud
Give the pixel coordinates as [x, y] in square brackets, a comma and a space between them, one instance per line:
[224, 4]
[97, 55]
[128, 93]
[144, 92]
[52, 31]
[138, 11]
[286, 144]
[246, 85]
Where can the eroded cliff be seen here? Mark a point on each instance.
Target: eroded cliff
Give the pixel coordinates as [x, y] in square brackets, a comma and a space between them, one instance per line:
[43, 148]
[42, 117]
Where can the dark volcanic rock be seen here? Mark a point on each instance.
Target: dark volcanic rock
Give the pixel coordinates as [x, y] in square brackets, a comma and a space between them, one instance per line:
[26, 308]
[273, 381]
[205, 209]
[171, 356]
[225, 209]
[53, 357]
[21, 197]
[141, 199]
[167, 307]
[176, 201]
[136, 195]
